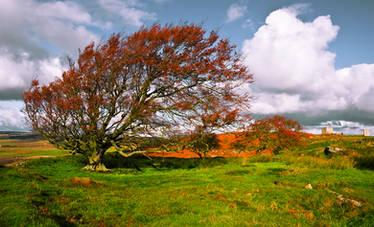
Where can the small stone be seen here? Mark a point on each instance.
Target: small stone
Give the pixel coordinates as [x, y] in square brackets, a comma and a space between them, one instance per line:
[327, 151]
[333, 150]
[308, 186]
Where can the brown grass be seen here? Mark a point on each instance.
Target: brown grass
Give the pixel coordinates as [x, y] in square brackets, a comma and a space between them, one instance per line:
[85, 181]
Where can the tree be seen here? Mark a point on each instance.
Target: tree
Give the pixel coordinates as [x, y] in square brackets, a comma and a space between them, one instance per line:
[276, 134]
[201, 144]
[154, 81]
[210, 118]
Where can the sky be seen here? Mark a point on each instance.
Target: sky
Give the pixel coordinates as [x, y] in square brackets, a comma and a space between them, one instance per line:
[312, 61]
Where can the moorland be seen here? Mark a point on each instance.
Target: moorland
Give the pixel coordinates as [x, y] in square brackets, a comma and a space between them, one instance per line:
[301, 186]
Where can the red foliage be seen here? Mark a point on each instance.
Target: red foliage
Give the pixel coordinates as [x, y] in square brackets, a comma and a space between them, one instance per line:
[275, 134]
[270, 135]
[224, 146]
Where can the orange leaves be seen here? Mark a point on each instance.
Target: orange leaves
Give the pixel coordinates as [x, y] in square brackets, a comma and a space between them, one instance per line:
[226, 141]
[276, 133]
[34, 83]
[231, 116]
[182, 105]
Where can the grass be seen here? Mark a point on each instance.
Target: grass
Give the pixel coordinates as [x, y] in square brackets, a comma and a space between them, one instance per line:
[260, 190]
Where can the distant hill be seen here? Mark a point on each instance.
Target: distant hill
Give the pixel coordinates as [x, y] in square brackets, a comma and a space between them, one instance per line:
[19, 135]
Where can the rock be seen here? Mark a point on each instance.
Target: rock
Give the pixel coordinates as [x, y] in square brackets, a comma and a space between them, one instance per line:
[278, 183]
[327, 151]
[347, 200]
[335, 149]
[308, 186]
[332, 150]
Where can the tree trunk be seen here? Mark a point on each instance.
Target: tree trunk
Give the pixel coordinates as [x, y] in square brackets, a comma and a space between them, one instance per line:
[96, 162]
[277, 150]
[199, 153]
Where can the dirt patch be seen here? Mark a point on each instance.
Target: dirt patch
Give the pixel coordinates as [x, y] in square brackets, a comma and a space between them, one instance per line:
[15, 160]
[85, 181]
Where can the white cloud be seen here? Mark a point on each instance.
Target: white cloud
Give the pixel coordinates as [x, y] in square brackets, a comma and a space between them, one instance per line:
[235, 11]
[18, 72]
[287, 54]
[29, 30]
[356, 84]
[11, 117]
[294, 70]
[64, 10]
[128, 10]
[24, 24]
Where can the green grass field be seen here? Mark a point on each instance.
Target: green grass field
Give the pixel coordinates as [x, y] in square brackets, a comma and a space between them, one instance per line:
[261, 190]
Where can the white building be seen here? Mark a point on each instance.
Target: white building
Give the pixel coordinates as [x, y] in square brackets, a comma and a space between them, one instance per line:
[327, 130]
[365, 132]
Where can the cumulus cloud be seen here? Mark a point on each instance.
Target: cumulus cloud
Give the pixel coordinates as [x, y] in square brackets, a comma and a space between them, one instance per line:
[33, 34]
[294, 71]
[235, 11]
[17, 73]
[294, 50]
[65, 10]
[25, 24]
[128, 10]
[11, 118]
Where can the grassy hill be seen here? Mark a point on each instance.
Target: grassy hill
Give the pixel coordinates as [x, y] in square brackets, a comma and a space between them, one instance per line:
[262, 190]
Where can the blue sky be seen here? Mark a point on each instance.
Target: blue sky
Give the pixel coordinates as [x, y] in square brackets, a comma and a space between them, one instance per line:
[312, 60]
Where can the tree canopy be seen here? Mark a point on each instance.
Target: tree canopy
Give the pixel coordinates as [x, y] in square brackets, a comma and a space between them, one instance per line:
[276, 133]
[156, 80]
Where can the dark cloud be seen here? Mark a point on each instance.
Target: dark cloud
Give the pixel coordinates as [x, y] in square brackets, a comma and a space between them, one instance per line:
[11, 94]
[312, 119]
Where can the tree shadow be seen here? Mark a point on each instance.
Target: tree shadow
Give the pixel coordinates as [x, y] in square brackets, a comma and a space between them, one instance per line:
[115, 160]
[364, 162]
[40, 200]
[276, 170]
[237, 172]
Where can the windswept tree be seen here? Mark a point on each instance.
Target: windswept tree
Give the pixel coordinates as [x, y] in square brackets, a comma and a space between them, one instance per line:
[158, 79]
[275, 134]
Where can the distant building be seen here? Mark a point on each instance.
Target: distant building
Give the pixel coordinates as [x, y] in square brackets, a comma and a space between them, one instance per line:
[366, 132]
[327, 130]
